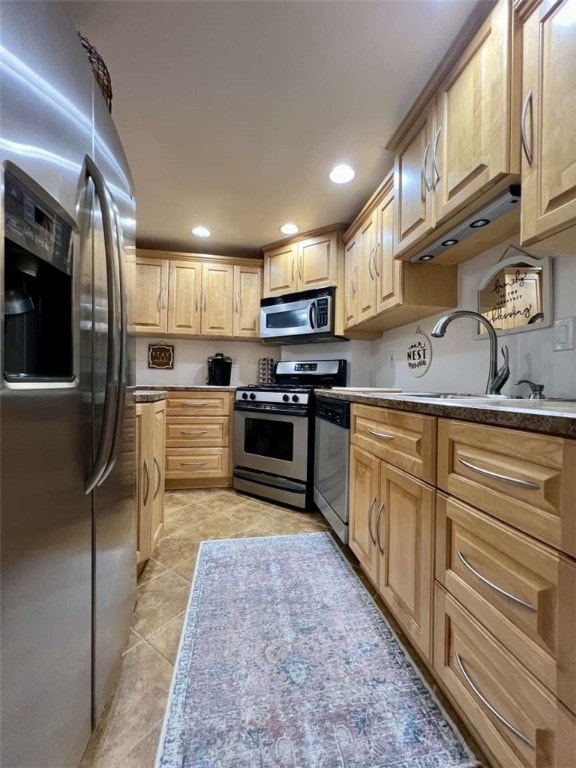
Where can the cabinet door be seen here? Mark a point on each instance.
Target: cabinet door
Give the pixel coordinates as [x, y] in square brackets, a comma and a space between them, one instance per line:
[364, 491]
[280, 274]
[185, 286]
[158, 441]
[351, 282]
[150, 299]
[413, 180]
[405, 534]
[472, 139]
[367, 269]
[549, 92]
[217, 290]
[144, 538]
[247, 295]
[388, 270]
[317, 263]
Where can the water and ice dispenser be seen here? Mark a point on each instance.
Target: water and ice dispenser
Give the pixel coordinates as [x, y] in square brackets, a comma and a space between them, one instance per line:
[38, 286]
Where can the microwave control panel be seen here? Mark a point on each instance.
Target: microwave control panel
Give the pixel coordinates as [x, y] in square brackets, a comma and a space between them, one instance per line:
[322, 312]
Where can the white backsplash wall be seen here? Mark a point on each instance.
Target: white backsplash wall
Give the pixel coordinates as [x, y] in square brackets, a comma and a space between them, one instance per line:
[460, 360]
[190, 357]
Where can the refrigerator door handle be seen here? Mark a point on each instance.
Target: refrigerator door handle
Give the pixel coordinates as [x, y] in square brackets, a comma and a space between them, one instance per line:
[111, 403]
[121, 398]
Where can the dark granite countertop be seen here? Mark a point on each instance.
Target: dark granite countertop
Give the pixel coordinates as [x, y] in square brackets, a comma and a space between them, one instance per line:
[548, 416]
[185, 388]
[145, 395]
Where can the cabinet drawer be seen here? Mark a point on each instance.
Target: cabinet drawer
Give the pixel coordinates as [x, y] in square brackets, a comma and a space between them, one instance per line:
[199, 403]
[406, 440]
[517, 720]
[525, 479]
[519, 589]
[211, 431]
[197, 462]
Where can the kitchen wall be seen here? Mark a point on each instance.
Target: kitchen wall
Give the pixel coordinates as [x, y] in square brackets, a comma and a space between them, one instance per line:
[190, 357]
[460, 360]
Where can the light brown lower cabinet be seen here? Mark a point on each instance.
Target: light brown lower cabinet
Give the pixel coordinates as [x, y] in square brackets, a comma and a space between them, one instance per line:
[391, 533]
[198, 440]
[522, 591]
[150, 451]
[513, 715]
[498, 622]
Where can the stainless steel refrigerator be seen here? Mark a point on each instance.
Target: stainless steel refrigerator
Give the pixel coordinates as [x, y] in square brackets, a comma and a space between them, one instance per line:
[67, 479]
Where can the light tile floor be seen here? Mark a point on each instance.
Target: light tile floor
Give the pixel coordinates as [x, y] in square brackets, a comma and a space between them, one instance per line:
[129, 729]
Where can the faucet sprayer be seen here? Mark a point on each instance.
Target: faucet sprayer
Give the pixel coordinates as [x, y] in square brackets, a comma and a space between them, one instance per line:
[496, 377]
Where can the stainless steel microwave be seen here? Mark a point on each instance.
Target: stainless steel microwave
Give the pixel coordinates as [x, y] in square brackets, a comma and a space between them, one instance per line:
[298, 317]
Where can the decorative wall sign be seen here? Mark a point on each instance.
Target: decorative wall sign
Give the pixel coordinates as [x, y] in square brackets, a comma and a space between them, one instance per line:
[419, 354]
[161, 356]
[515, 295]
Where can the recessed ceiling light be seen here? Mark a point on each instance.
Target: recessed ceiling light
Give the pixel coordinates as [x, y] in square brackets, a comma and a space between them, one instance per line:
[426, 257]
[289, 229]
[479, 223]
[449, 242]
[342, 174]
[201, 232]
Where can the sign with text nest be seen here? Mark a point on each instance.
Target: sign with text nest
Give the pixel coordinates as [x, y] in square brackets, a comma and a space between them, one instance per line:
[419, 354]
[161, 356]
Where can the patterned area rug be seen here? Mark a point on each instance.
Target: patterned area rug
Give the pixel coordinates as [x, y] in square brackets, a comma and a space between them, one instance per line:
[286, 662]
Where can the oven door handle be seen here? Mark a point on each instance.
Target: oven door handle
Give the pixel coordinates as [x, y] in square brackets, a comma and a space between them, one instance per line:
[313, 315]
[247, 408]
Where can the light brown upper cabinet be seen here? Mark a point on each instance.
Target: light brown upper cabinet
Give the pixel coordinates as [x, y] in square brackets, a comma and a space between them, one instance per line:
[548, 120]
[149, 300]
[302, 264]
[197, 296]
[381, 293]
[185, 291]
[247, 293]
[217, 299]
[457, 148]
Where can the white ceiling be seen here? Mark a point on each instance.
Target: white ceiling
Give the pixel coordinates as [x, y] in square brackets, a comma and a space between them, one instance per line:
[232, 112]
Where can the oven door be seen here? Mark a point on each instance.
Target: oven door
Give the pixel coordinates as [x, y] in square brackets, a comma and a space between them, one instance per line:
[276, 443]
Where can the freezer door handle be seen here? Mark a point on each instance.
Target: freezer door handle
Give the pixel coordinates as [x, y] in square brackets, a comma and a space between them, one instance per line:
[121, 399]
[111, 401]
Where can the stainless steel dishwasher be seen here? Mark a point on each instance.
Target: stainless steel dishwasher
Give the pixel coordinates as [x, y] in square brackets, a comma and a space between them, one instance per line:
[332, 462]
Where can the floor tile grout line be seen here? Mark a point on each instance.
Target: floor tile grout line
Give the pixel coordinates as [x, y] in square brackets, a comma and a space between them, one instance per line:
[147, 638]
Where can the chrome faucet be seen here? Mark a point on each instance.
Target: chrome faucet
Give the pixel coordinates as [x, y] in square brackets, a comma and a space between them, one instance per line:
[496, 377]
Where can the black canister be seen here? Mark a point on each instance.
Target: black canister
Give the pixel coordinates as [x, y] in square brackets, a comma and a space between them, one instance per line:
[219, 370]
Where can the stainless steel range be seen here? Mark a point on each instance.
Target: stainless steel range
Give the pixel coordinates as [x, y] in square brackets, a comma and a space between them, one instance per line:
[274, 431]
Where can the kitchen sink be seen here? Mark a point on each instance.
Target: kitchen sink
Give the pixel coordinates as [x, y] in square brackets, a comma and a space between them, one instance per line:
[453, 395]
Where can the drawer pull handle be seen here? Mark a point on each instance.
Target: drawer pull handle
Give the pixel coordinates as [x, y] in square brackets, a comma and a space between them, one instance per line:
[193, 463]
[159, 477]
[489, 706]
[380, 547]
[495, 587]
[370, 520]
[504, 478]
[193, 434]
[194, 405]
[147, 479]
[383, 435]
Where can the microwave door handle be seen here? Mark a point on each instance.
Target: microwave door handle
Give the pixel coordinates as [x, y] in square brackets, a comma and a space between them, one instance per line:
[114, 328]
[120, 285]
[313, 315]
